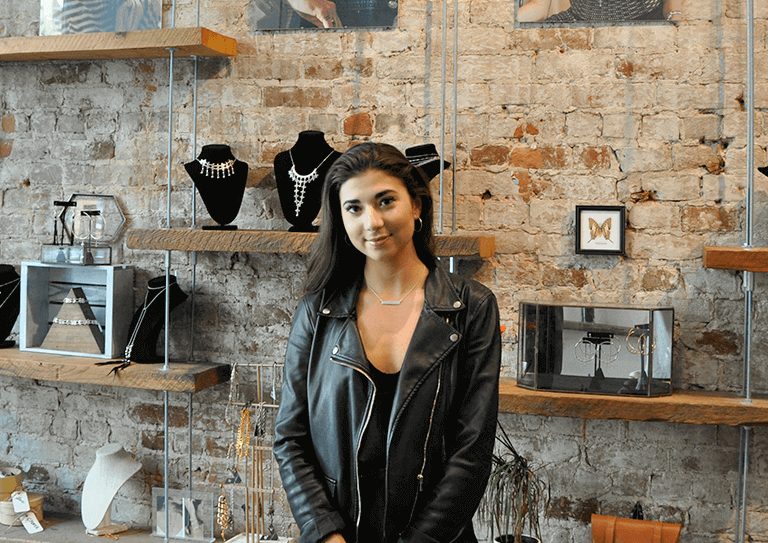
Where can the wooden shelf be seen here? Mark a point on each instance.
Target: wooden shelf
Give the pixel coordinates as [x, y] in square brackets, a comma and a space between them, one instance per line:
[688, 407]
[736, 258]
[180, 377]
[70, 529]
[274, 241]
[193, 41]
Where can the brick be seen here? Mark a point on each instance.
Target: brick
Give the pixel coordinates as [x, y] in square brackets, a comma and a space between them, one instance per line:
[8, 124]
[525, 157]
[358, 124]
[296, 97]
[593, 158]
[710, 218]
[489, 155]
[5, 148]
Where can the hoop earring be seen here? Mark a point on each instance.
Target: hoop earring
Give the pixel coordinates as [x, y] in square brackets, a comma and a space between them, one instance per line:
[347, 240]
[420, 223]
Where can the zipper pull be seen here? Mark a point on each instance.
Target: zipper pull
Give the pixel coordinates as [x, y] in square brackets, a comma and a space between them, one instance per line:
[420, 477]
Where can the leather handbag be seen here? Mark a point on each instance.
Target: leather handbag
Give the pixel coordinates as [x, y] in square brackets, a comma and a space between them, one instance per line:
[608, 529]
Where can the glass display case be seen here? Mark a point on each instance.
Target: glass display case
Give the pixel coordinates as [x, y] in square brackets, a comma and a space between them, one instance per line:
[84, 228]
[599, 349]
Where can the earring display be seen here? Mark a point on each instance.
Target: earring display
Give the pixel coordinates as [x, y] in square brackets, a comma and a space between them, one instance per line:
[596, 349]
[84, 227]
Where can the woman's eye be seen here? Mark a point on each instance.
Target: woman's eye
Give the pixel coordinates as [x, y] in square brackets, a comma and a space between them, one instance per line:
[387, 201]
[352, 209]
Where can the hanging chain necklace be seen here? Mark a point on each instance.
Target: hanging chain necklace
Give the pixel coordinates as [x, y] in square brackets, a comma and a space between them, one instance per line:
[18, 282]
[217, 171]
[300, 182]
[393, 302]
[129, 347]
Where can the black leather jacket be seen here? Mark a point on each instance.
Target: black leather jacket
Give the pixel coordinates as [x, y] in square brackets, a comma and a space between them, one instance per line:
[442, 429]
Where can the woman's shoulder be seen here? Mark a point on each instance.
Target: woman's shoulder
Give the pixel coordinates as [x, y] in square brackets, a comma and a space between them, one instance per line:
[469, 290]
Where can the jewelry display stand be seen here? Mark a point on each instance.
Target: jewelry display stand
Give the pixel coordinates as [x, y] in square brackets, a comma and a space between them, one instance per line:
[141, 343]
[75, 326]
[44, 288]
[220, 179]
[110, 471]
[300, 174]
[10, 296]
[251, 411]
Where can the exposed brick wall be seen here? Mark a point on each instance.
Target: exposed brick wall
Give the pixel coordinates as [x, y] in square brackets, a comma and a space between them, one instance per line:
[649, 117]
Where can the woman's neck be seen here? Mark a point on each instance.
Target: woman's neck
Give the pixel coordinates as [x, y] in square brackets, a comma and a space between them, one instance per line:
[394, 278]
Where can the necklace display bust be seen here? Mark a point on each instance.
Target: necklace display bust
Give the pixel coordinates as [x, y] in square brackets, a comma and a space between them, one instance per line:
[220, 179]
[111, 470]
[10, 295]
[300, 174]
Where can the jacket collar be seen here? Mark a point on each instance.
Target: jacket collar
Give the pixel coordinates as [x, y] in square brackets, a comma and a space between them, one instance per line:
[440, 295]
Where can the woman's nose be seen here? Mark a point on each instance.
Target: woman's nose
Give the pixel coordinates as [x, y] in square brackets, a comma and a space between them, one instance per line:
[373, 219]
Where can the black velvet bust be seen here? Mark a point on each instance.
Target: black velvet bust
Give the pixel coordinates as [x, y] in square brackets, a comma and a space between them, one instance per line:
[221, 187]
[310, 153]
[10, 302]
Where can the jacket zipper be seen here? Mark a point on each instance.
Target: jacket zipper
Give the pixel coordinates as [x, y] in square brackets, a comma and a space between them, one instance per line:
[420, 476]
[359, 441]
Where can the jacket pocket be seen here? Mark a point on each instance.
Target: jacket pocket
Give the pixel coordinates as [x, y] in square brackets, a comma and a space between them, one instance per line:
[332, 487]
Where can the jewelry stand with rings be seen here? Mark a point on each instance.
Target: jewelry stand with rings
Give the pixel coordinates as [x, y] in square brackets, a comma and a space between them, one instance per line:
[639, 343]
[598, 348]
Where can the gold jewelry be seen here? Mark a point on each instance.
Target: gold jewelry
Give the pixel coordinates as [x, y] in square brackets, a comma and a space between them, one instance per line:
[640, 347]
[222, 516]
[244, 432]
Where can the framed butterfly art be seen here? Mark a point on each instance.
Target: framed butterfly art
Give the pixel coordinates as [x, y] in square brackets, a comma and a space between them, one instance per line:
[600, 230]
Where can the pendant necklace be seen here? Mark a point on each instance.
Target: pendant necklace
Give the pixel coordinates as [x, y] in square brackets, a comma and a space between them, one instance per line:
[129, 347]
[217, 171]
[300, 182]
[393, 302]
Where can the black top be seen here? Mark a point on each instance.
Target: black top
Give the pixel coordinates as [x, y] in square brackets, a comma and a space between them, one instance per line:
[372, 460]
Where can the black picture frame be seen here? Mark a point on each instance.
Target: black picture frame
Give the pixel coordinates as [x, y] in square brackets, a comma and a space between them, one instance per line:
[600, 230]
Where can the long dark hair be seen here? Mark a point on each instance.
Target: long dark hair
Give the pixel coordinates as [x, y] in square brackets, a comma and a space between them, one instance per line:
[334, 262]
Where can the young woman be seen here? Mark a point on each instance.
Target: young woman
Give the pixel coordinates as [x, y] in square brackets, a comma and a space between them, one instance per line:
[388, 411]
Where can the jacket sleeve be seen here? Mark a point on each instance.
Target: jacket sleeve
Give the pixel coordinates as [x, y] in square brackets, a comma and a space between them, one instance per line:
[305, 488]
[470, 432]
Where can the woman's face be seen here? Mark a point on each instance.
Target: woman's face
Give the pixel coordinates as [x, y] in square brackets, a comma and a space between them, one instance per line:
[378, 214]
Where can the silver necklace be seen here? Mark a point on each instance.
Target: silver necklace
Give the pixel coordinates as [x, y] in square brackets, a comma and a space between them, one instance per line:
[217, 171]
[300, 182]
[129, 347]
[18, 282]
[393, 302]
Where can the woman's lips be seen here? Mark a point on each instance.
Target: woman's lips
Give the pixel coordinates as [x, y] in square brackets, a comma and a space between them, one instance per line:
[376, 242]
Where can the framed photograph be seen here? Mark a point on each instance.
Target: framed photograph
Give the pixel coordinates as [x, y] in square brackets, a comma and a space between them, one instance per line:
[600, 230]
[547, 13]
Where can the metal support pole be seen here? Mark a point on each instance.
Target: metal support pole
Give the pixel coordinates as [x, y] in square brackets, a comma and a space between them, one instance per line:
[741, 500]
[442, 115]
[165, 462]
[189, 431]
[741, 497]
[455, 111]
